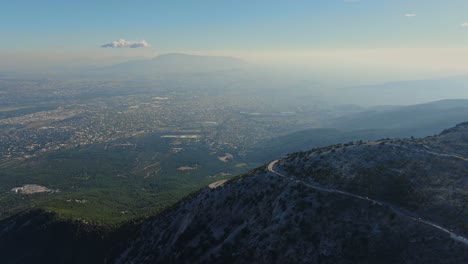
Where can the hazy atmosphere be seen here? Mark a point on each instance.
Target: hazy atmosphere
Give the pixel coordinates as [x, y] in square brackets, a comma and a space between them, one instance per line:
[228, 131]
[360, 41]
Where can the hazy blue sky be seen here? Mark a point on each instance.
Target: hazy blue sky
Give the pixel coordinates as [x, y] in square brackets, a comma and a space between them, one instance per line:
[64, 28]
[229, 24]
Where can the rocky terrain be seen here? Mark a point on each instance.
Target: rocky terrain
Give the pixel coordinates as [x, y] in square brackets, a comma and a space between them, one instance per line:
[426, 176]
[387, 201]
[265, 218]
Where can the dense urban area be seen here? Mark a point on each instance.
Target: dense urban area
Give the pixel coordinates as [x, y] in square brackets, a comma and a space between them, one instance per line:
[220, 122]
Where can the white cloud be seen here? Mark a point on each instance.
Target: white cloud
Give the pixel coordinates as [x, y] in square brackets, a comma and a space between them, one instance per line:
[410, 15]
[464, 24]
[122, 43]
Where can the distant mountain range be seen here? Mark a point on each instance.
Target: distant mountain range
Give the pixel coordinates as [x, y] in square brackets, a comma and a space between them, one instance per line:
[386, 201]
[176, 63]
[370, 124]
[422, 119]
[405, 92]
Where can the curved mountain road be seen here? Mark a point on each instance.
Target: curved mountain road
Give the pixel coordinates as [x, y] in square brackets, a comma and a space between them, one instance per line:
[399, 211]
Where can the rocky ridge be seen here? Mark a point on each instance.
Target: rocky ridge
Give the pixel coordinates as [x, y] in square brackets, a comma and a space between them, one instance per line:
[265, 218]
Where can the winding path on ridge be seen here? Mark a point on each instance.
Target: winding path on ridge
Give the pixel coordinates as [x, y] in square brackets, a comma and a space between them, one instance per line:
[399, 211]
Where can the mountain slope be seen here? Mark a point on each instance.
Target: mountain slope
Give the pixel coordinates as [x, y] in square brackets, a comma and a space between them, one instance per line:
[427, 176]
[40, 237]
[267, 218]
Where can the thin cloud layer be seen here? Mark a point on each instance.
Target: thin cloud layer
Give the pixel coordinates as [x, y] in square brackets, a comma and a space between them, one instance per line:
[122, 43]
[410, 15]
[464, 24]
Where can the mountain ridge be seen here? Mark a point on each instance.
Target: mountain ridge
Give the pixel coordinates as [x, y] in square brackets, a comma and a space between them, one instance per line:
[274, 213]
